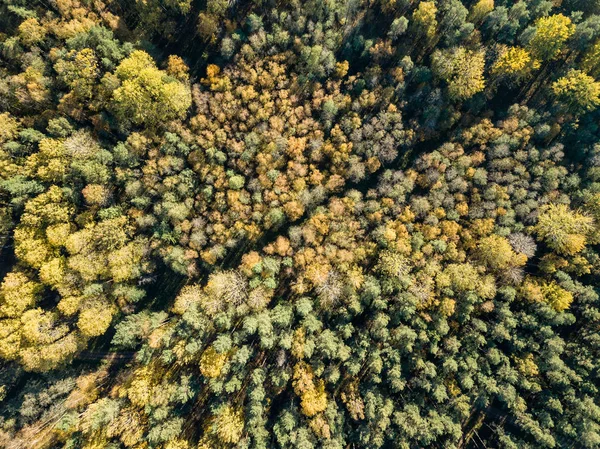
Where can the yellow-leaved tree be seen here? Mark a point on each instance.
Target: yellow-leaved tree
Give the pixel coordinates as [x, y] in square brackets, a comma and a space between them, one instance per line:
[578, 91]
[462, 69]
[147, 95]
[551, 34]
[563, 229]
[514, 62]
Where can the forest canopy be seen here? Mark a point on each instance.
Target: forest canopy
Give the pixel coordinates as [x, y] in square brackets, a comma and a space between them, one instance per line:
[338, 224]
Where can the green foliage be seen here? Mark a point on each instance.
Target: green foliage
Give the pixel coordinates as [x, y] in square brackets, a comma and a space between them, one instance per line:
[299, 224]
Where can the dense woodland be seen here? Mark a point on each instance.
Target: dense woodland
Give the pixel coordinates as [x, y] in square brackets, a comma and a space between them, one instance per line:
[332, 224]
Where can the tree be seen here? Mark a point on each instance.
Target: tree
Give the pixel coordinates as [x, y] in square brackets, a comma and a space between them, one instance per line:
[424, 19]
[17, 294]
[481, 9]
[338, 245]
[207, 25]
[514, 62]
[550, 36]
[95, 319]
[312, 394]
[591, 60]
[211, 363]
[462, 69]
[31, 32]
[398, 28]
[577, 91]
[79, 70]
[228, 425]
[147, 95]
[109, 50]
[564, 230]
[497, 253]
[177, 68]
[558, 298]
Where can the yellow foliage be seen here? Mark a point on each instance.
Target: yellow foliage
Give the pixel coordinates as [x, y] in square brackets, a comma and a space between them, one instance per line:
[31, 32]
[229, 425]
[320, 426]
[424, 18]
[52, 273]
[531, 291]
[49, 163]
[559, 298]
[189, 295]
[17, 294]
[57, 234]
[462, 277]
[450, 228]
[216, 82]
[591, 60]
[453, 388]
[294, 210]
[136, 62]
[298, 342]
[562, 229]
[482, 226]
[462, 69]
[497, 253]
[527, 366]
[124, 262]
[146, 95]
[80, 72]
[393, 264]
[487, 287]
[481, 9]
[580, 92]
[95, 442]
[40, 327]
[447, 306]
[462, 208]
[10, 338]
[87, 389]
[514, 61]
[211, 362]
[44, 342]
[177, 444]
[552, 293]
[550, 36]
[48, 207]
[30, 250]
[9, 127]
[95, 319]
[69, 305]
[95, 194]
[140, 387]
[314, 400]
[312, 393]
[128, 427]
[341, 69]
[177, 68]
